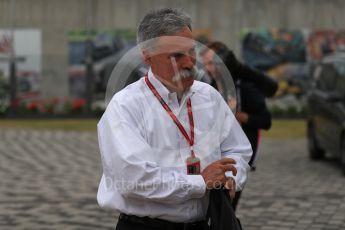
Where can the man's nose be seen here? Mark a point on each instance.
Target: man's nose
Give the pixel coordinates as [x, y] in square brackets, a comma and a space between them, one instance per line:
[188, 61]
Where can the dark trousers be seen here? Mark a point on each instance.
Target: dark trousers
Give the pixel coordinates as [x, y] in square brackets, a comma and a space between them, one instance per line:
[127, 222]
[127, 225]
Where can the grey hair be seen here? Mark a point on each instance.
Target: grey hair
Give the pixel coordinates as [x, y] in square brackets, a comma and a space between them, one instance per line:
[161, 22]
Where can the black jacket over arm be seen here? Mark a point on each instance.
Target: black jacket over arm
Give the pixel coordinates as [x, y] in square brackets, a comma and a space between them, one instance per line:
[220, 213]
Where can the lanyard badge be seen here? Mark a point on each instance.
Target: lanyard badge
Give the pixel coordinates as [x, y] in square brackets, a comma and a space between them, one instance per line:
[192, 162]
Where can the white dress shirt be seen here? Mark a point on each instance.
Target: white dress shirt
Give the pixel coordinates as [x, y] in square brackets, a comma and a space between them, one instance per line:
[144, 153]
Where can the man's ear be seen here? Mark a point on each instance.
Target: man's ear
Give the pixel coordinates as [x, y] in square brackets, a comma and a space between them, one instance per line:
[147, 57]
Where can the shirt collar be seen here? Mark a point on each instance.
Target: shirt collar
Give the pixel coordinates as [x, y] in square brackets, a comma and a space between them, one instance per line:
[163, 91]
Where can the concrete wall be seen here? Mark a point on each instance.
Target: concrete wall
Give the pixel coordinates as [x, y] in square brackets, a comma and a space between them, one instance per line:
[224, 18]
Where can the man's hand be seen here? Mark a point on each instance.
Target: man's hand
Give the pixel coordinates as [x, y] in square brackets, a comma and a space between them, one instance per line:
[214, 174]
[242, 117]
[231, 186]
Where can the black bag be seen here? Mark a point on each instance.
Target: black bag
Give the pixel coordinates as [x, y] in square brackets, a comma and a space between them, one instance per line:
[220, 214]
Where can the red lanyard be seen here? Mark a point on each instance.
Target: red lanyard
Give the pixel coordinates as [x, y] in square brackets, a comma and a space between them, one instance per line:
[174, 118]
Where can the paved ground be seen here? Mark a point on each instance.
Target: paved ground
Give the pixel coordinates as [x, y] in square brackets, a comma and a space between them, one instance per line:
[49, 181]
[288, 191]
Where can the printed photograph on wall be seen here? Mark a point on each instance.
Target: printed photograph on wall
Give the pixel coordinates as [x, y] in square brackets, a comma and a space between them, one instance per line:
[27, 54]
[107, 49]
[281, 53]
[323, 42]
[288, 56]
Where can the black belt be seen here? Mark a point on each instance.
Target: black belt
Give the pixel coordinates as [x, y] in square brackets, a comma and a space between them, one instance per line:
[162, 224]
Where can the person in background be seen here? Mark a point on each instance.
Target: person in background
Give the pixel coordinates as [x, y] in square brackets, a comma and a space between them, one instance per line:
[251, 109]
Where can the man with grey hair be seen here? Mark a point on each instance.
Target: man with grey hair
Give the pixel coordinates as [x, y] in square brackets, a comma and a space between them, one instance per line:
[165, 140]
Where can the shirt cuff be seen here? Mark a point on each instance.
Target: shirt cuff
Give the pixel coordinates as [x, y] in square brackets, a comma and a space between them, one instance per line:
[238, 187]
[198, 186]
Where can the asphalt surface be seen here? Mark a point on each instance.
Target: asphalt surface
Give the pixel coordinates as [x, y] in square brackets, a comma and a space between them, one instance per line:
[49, 180]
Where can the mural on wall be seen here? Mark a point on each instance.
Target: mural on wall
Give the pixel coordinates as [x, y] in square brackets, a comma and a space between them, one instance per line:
[281, 53]
[286, 55]
[107, 48]
[323, 42]
[27, 49]
[266, 48]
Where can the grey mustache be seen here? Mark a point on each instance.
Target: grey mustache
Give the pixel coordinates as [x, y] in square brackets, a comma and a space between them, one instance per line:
[194, 72]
